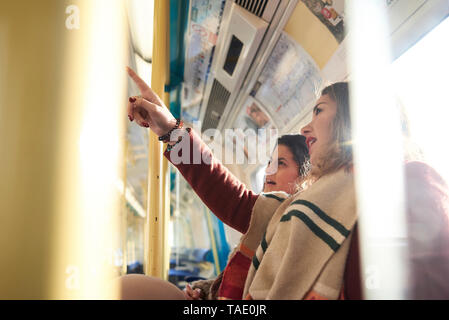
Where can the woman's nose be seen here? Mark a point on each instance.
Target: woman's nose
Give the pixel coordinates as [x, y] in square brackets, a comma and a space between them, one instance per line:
[306, 130]
[271, 169]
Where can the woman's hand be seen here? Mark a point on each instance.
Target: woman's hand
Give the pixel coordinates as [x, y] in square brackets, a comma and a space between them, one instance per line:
[148, 109]
[191, 294]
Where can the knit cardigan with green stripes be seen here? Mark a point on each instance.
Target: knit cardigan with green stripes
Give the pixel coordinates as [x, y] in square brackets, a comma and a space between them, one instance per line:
[303, 241]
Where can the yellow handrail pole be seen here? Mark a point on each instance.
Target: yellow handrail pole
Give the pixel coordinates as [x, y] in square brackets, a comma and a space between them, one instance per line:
[154, 265]
[166, 211]
[27, 127]
[62, 98]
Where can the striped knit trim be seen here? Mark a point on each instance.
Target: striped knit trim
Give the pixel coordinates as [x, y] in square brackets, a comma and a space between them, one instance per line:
[256, 262]
[264, 246]
[322, 225]
[272, 196]
[332, 222]
[264, 243]
[320, 233]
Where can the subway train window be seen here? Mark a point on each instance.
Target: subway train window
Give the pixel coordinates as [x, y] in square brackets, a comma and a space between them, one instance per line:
[420, 84]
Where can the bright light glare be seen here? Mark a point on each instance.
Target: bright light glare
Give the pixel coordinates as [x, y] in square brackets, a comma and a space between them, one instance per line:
[90, 154]
[378, 159]
[99, 142]
[421, 83]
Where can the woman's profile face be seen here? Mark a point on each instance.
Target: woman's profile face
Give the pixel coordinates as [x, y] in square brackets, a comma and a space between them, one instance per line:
[318, 132]
[282, 173]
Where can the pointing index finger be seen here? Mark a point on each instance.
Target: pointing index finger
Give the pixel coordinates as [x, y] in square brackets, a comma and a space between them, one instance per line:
[145, 90]
[143, 87]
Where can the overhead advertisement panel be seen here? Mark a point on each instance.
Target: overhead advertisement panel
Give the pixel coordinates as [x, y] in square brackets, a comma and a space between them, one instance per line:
[331, 13]
[289, 82]
[204, 24]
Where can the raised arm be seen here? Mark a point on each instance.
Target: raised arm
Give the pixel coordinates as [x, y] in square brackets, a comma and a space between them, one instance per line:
[218, 188]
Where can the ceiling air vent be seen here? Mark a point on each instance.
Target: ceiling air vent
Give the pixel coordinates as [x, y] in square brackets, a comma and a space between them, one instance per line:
[256, 6]
[218, 99]
[262, 8]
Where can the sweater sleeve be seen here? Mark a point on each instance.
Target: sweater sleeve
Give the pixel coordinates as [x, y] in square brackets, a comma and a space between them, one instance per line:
[217, 187]
[428, 227]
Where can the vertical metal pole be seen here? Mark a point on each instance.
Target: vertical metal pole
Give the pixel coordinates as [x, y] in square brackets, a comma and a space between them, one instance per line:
[29, 121]
[166, 217]
[153, 265]
[176, 217]
[156, 188]
[62, 99]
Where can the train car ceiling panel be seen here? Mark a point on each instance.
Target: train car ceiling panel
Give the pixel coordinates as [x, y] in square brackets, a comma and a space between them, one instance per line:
[240, 32]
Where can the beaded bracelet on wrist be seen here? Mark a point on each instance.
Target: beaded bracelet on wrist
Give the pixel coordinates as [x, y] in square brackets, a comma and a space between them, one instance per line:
[171, 146]
[166, 137]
